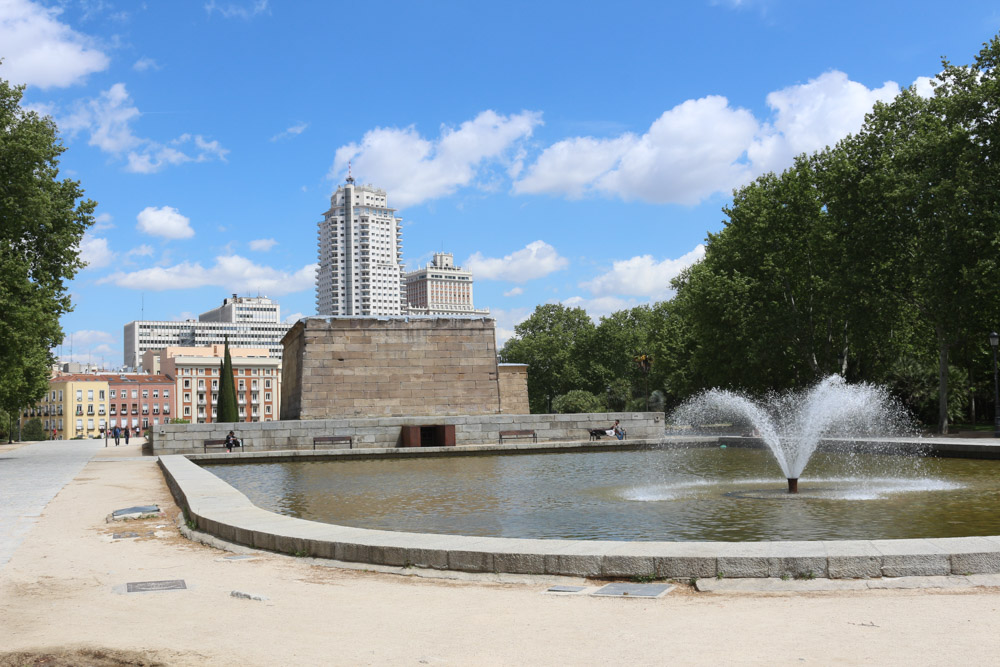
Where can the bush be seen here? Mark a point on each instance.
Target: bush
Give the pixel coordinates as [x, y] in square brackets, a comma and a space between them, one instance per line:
[577, 401]
[32, 430]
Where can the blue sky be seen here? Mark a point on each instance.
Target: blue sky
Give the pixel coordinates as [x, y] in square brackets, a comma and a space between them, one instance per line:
[564, 151]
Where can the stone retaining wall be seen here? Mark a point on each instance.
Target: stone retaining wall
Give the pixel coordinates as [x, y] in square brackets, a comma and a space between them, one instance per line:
[386, 431]
[219, 509]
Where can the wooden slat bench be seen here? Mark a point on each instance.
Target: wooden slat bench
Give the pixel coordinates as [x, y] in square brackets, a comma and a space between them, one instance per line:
[525, 433]
[334, 439]
[221, 444]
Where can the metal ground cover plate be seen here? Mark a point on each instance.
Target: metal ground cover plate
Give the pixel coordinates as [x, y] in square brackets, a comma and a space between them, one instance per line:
[122, 536]
[565, 589]
[626, 590]
[147, 586]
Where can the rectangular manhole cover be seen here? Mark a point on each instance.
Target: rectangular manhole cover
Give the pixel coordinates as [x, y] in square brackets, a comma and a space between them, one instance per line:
[138, 509]
[147, 586]
[633, 590]
[122, 536]
[566, 589]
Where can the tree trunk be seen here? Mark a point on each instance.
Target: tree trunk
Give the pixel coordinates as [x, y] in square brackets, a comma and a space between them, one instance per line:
[942, 384]
[972, 395]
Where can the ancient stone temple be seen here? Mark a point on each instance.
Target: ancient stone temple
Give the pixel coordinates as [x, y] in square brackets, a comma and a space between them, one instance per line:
[383, 367]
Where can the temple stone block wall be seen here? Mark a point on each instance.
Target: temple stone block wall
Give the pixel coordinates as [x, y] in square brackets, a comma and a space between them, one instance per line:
[367, 367]
[513, 382]
[387, 431]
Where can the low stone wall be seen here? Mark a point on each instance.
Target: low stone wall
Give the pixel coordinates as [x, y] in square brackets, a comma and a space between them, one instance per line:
[386, 431]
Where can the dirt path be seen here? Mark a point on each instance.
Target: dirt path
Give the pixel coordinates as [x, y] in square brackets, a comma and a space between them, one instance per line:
[58, 594]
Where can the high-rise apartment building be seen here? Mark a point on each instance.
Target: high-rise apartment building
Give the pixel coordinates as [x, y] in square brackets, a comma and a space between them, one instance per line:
[441, 288]
[248, 322]
[360, 255]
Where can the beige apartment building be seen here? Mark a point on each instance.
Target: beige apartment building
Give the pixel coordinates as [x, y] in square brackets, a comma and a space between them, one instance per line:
[195, 370]
[441, 289]
[75, 406]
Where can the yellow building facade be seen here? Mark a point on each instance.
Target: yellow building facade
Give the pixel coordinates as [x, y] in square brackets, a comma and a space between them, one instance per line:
[75, 406]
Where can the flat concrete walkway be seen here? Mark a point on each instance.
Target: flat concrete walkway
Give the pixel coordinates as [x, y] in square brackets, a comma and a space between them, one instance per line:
[30, 476]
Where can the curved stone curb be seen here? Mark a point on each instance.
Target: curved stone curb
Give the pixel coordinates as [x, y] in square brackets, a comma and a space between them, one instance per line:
[221, 510]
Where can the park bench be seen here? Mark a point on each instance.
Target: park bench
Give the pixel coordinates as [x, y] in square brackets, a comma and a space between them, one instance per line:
[525, 433]
[598, 433]
[221, 444]
[334, 440]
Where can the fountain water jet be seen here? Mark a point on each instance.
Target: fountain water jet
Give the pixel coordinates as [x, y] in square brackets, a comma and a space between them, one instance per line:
[793, 424]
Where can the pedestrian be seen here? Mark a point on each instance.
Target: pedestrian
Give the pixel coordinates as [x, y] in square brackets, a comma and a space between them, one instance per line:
[126, 435]
[617, 430]
[231, 441]
[117, 433]
[53, 434]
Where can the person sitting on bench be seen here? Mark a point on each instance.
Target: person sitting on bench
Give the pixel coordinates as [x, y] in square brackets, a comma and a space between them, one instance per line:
[231, 441]
[617, 431]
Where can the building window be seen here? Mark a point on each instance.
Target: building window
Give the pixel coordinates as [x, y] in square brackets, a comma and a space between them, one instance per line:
[79, 394]
[145, 393]
[187, 411]
[267, 409]
[90, 394]
[90, 424]
[187, 384]
[166, 393]
[100, 394]
[135, 393]
[113, 392]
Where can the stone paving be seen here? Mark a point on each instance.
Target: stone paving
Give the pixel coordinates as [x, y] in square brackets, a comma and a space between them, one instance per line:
[30, 477]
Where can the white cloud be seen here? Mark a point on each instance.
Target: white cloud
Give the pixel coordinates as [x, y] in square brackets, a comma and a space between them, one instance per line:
[293, 318]
[572, 166]
[924, 86]
[601, 306]
[87, 337]
[514, 292]
[109, 117]
[293, 131]
[144, 64]
[536, 260]
[141, 251]
[705, 146]
[262, 245]
[165, 221]
[95, 251]
[39, 50]
[811, 116]
[506, 320]
[414, 169]
[233, 273]
[102, 222]
[642, 276]
[235, 10]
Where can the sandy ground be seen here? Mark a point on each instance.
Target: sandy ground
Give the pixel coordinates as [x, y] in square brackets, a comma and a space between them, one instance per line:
[59, 596]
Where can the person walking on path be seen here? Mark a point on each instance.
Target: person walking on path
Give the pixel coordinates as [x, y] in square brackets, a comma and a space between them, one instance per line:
[117, 433]
[126, 435]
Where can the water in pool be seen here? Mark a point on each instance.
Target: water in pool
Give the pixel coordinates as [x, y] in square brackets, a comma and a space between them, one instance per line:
[660, 494]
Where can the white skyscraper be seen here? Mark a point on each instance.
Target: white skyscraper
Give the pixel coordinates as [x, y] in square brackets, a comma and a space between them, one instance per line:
[360, 255]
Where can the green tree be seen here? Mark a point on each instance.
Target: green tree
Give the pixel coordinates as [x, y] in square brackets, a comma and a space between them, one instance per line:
[577, 401]
[226, 409]
[551, 342]
[42, 222]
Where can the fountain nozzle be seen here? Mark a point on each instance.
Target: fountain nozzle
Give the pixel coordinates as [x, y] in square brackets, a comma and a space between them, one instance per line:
[793, 484]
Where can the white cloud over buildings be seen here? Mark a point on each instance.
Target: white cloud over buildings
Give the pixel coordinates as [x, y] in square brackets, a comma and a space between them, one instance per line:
[40, 50]
[95, 252]
[231, 272]
[536, 260]
[413, 169]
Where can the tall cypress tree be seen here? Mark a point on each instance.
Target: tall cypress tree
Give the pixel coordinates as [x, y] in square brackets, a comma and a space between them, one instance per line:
[227, 410]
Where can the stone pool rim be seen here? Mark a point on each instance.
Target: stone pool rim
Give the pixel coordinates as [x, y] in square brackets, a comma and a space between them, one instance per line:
[220, 510]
